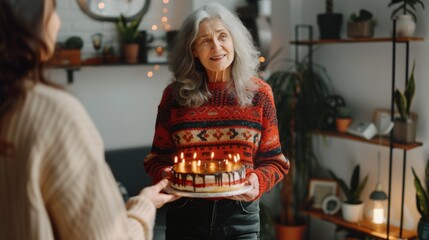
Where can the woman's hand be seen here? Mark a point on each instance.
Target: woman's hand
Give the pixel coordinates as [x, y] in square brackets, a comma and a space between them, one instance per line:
[253, 193]
[153, 193]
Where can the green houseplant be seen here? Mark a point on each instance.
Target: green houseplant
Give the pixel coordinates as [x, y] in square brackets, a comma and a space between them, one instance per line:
[353, 206]
[361, 25]
[405, 7]
[404, 11]
[404, 129]
[422, 203]
[299, 94]
[128, 30]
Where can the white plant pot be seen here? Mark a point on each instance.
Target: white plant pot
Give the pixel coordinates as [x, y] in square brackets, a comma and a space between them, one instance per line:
[405, 26]
[352, 212]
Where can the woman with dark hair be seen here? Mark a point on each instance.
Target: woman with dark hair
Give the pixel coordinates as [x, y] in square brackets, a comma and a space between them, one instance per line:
[216, 104]
[54, 181]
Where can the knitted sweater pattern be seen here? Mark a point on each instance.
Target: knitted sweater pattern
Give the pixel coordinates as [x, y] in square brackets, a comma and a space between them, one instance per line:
[222, 127]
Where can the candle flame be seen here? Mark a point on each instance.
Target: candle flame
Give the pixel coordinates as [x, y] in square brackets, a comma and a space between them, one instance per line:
[238, 156]
[226, 162]
[235, 158]
[212, 155]
[181, 155]
[183, 161]
[175, 159]
[230, 156]
[195, 155]
[199, 163]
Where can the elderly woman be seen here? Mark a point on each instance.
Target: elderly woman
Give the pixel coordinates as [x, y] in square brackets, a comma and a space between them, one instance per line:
[54, 181]
[215, 92]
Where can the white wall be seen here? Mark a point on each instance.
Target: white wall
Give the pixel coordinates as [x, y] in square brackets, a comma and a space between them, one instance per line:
[362, 74]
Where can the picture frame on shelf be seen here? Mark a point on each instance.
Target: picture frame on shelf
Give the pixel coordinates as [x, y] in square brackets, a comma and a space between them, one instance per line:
[319, 189]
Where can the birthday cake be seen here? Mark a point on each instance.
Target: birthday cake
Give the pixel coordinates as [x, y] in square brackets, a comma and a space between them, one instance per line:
[208, 176]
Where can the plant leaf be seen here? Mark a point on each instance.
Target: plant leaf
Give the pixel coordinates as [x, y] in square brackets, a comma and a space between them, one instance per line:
[410, 90]
[401, 103]
[422, 202]
[354, 180]
[341, 184]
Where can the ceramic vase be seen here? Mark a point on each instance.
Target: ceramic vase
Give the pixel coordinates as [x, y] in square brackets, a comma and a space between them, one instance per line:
[405, 26]
[352, 212]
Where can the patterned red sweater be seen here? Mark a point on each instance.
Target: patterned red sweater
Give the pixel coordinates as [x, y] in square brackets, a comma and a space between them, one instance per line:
[220, 126]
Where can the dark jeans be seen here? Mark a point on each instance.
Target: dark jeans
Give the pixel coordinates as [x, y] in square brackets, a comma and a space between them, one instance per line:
[201, 219]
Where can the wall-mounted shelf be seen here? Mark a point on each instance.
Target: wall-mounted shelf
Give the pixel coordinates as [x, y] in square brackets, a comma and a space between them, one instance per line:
[363, 226]
[357, 40]
[70, 69]
[385, 141]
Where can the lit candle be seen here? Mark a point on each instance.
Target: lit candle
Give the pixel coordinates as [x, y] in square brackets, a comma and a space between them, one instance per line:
[175, 159]
[230, 156]
[195, 155]
[182, 155]
[182, 166]
[212, 156]
[238, 157]
[235, 159]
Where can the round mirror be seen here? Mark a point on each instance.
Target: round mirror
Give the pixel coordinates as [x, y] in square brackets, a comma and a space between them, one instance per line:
[109, 10]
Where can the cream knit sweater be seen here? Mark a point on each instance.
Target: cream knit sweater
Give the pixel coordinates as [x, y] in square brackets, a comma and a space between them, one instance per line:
[56, 183]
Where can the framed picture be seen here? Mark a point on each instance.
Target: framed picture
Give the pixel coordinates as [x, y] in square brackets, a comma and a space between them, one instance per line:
[319, 189]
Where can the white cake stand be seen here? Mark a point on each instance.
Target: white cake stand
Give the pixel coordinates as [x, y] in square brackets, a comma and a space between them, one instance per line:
[239, 191]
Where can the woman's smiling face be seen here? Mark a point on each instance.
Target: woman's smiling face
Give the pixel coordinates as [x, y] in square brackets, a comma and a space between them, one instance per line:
[213, 46]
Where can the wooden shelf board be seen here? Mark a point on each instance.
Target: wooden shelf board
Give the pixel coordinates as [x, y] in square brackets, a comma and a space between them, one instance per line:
[364, 226]
[375, 140]
[357, 40]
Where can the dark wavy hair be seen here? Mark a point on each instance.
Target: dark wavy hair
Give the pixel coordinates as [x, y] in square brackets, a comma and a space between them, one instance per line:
[21, 48]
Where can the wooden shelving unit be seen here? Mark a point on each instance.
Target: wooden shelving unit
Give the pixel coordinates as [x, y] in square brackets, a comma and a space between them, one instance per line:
[390, 232]
[363, 227]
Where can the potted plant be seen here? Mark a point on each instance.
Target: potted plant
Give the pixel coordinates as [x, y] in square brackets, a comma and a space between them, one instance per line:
[404, 129]
[343, 119]
[128, 30]
[361, 25]
[329, 23]
[352, 207]
[406, 17]
[422, 204]
[299, 95]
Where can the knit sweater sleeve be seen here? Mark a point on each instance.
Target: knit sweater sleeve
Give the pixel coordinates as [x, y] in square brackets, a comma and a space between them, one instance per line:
[79, 190]
[163, 146]
[270, 165]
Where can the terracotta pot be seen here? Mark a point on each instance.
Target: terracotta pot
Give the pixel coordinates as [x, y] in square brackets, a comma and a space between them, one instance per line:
[130, 52]
[343, 124]
[295, 232]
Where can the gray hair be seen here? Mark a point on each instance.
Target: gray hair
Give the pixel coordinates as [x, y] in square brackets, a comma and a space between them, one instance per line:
[190, 79]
